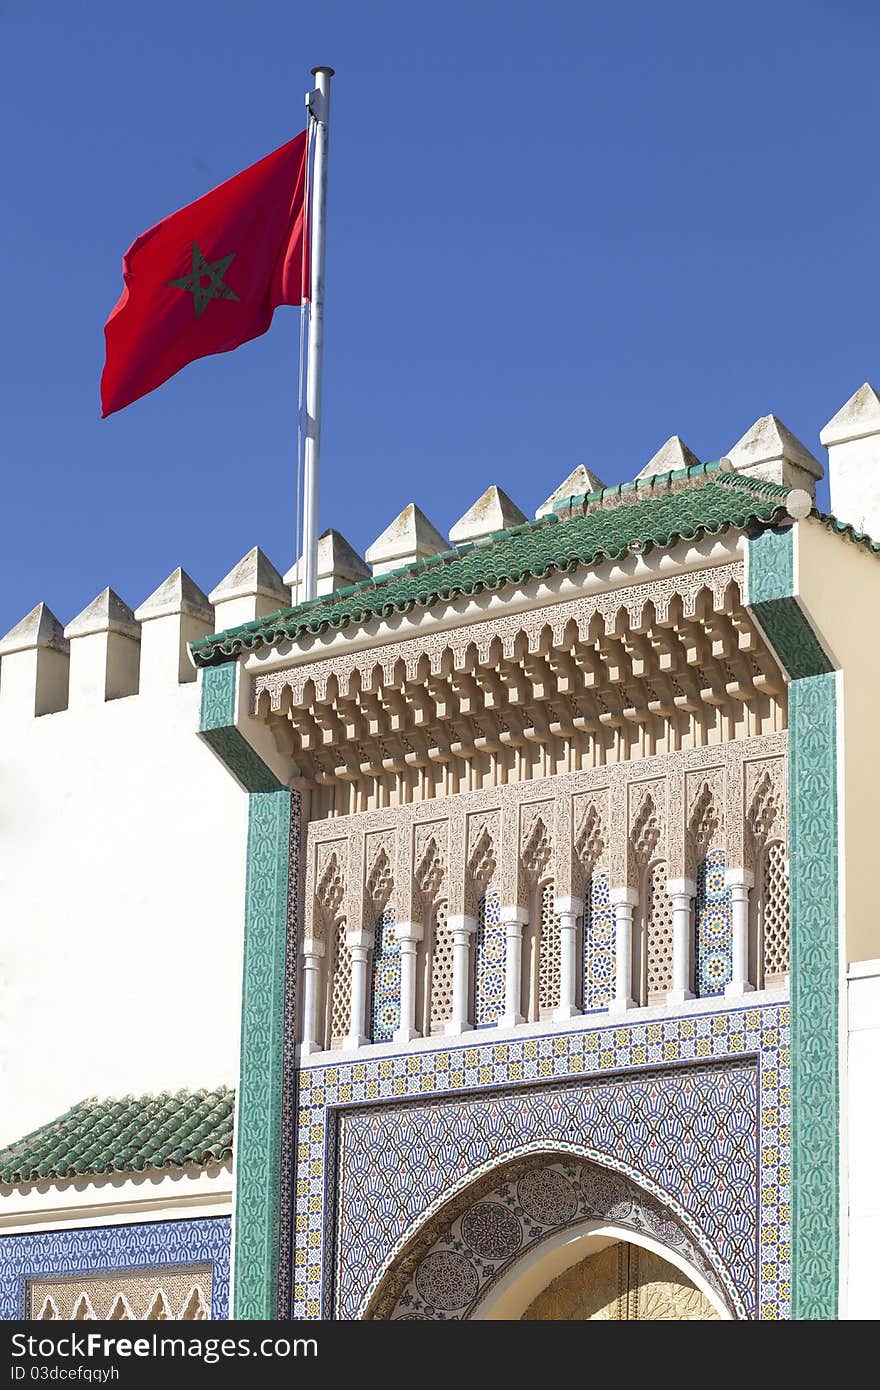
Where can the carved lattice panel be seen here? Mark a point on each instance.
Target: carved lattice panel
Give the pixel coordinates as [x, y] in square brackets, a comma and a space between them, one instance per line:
[598, 944]
[713, 957]
[775, 928]
[441, 970]
[385, 999]
[340, 988]
[489, 957]
[169, 1294]
[658, 935]
[549, 954]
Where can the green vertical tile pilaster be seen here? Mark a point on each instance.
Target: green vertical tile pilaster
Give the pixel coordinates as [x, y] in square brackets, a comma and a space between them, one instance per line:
[258, 1151]
[258, 1125]
[813, 851]
[814, 995]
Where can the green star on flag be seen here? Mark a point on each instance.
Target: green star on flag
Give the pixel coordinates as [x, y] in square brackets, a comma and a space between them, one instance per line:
[194, 283]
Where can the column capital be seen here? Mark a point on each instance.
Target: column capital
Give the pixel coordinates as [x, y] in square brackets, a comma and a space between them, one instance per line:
[461, 922]
[681, 887]
[739, 878]
[568, 907]
[409, 931]
[626, 896]
[358, 939]
[512, 913]
[313, 948]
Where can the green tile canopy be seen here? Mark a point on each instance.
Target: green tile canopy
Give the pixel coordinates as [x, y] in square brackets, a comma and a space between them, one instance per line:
[128, 1135]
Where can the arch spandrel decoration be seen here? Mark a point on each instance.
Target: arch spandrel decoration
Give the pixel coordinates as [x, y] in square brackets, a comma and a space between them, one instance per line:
[452, 1265]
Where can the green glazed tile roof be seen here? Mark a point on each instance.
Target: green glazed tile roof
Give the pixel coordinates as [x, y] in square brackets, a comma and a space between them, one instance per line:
[659, 512]
[125, 1136]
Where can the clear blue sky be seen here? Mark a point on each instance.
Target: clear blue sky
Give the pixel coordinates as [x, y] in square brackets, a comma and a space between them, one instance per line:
[559, 233]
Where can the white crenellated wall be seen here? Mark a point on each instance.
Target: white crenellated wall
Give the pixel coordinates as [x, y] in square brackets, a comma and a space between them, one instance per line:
[863, 1139]
[122, 863]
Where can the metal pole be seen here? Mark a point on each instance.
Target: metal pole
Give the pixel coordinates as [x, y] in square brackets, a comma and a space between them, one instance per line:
[318, 103]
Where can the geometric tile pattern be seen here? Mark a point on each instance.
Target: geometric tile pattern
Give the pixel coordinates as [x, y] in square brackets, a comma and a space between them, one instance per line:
[489, 959]
[90, 1251]
[598, 945]
[694, 1127]
[385, 1007]
[713, 959]
[694, 1109]
[536, 1200]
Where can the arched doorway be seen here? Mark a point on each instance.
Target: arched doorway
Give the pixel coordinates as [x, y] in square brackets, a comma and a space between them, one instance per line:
[559, 1238]
[614, 1281]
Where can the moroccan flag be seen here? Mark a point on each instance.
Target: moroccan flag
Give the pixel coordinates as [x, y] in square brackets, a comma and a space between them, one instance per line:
[209, 277]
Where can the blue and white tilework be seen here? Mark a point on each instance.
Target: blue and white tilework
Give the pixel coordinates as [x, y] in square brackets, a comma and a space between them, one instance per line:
[90, 1250]
[713, 961]
[598, 945]
[385, 1007]
[489, 958]
[695, 1109]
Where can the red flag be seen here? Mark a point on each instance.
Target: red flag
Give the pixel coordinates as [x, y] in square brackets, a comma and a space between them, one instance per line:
[209, 277]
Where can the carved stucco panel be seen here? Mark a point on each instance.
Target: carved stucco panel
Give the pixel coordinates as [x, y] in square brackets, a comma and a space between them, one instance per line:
[619, 855]
[647, 820]
[456, 873]
[502, 637]
[536, 847]
[356, 915]
[591, 835]
[736, 771]
[430, 858]
[326, 897]
[483, 849]
[765, 805]
[380, 857]
[705, 798]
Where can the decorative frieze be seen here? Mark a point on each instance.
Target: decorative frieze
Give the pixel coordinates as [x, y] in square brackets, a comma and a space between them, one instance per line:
[614, 888]
[669, 665]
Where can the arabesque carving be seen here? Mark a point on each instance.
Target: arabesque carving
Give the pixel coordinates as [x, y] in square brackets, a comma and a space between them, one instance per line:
[673, 664]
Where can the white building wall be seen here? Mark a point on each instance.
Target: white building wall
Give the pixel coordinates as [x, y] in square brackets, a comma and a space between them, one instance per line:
[122, 865]
[863, 1122]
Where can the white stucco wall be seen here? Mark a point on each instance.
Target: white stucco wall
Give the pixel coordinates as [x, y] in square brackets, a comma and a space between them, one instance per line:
[863, 1139]
[122, 862]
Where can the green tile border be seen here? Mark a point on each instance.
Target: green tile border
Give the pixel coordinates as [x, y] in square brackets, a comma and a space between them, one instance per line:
[813, 854]
[258, 1151]
[217, 728]
[812, 772]
[256, 1221]
[771, 596]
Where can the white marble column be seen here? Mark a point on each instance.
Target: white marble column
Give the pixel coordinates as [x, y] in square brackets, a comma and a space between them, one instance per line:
[624, 901]
[513, 919]
[408, 934]
[739, 881]
[360, 944]
[682, 892]
[312, 954]
[567, 911]
[462, 929]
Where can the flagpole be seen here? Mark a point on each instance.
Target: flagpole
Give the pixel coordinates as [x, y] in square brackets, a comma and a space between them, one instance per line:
[318, 102]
